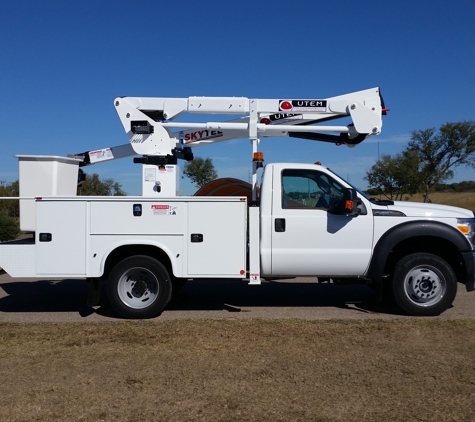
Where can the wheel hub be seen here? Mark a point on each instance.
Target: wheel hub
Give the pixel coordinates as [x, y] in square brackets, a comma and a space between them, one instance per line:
[423, 285]
[139, 287]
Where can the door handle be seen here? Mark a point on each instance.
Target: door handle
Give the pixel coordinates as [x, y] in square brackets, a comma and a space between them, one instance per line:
[279, 224]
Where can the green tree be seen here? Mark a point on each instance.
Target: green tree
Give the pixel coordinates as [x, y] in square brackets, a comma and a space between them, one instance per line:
[9, 228]
[395, 176]
[10, 207]
[200, 171]
[94, 186]
[440, 152]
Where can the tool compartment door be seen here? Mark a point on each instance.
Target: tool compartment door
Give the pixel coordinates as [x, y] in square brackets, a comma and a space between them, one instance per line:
[61, 238]
[217, 239]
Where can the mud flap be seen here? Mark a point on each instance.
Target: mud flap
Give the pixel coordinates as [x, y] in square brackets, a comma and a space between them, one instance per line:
[93, 292]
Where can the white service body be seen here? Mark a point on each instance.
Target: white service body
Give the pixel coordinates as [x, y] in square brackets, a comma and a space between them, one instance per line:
[75, 236]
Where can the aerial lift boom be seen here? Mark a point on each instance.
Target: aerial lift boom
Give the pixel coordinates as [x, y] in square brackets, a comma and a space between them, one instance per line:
[149, 122]
[160, 139]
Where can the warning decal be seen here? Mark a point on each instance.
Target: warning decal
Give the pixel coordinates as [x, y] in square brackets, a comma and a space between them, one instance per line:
[150, 174]
[101, 155]
[162, 209]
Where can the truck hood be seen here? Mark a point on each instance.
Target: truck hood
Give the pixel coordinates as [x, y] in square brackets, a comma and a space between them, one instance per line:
[419, 209]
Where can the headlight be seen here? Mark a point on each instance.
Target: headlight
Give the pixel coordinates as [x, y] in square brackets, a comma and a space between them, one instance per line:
[467, 227]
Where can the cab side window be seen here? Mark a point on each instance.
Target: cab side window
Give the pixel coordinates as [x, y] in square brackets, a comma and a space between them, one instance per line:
[309, 189]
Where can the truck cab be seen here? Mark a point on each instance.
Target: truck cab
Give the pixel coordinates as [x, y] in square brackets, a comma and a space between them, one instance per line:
[416, 251]
[304, 232]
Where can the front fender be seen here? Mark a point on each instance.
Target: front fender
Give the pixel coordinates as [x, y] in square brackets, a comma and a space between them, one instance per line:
[413, 229]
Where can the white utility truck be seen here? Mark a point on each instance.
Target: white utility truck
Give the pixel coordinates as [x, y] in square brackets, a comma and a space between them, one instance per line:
[303, 219]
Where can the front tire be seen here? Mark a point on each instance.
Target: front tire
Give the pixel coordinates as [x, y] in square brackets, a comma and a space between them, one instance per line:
[424, 284]
[139, 287]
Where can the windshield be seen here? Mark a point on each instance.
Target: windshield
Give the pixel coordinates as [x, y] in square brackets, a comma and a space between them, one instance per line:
[354, 187]
[375, 201]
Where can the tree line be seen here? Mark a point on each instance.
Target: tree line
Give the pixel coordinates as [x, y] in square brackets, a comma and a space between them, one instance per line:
[429, 159]
[465, 186]
[9, 211]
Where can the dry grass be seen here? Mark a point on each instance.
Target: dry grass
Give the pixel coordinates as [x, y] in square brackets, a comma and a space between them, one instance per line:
[254, 370]
[456, 199]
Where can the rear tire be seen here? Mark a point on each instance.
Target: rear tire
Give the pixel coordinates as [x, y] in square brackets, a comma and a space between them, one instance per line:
[424, 284]
[139, 287]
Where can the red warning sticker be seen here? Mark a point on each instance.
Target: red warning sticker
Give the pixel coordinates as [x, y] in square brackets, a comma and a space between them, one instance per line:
[163, 209]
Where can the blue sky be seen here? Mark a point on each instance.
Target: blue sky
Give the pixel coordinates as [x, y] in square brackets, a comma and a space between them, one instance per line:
[64, 62]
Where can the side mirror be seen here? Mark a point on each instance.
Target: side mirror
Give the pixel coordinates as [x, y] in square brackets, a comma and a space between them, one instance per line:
[348, 204]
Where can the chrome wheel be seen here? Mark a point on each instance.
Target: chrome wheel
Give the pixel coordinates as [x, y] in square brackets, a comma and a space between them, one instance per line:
[425, 285]
[138, 288]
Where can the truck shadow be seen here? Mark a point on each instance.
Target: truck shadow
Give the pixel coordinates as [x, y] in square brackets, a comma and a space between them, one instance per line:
[70, 295]
[234, 295]
[44, 296]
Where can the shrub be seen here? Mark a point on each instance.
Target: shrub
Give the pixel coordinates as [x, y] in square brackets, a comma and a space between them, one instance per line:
[9, 228]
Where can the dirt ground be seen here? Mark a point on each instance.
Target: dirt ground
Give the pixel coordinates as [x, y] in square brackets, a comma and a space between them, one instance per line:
[255, 370]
